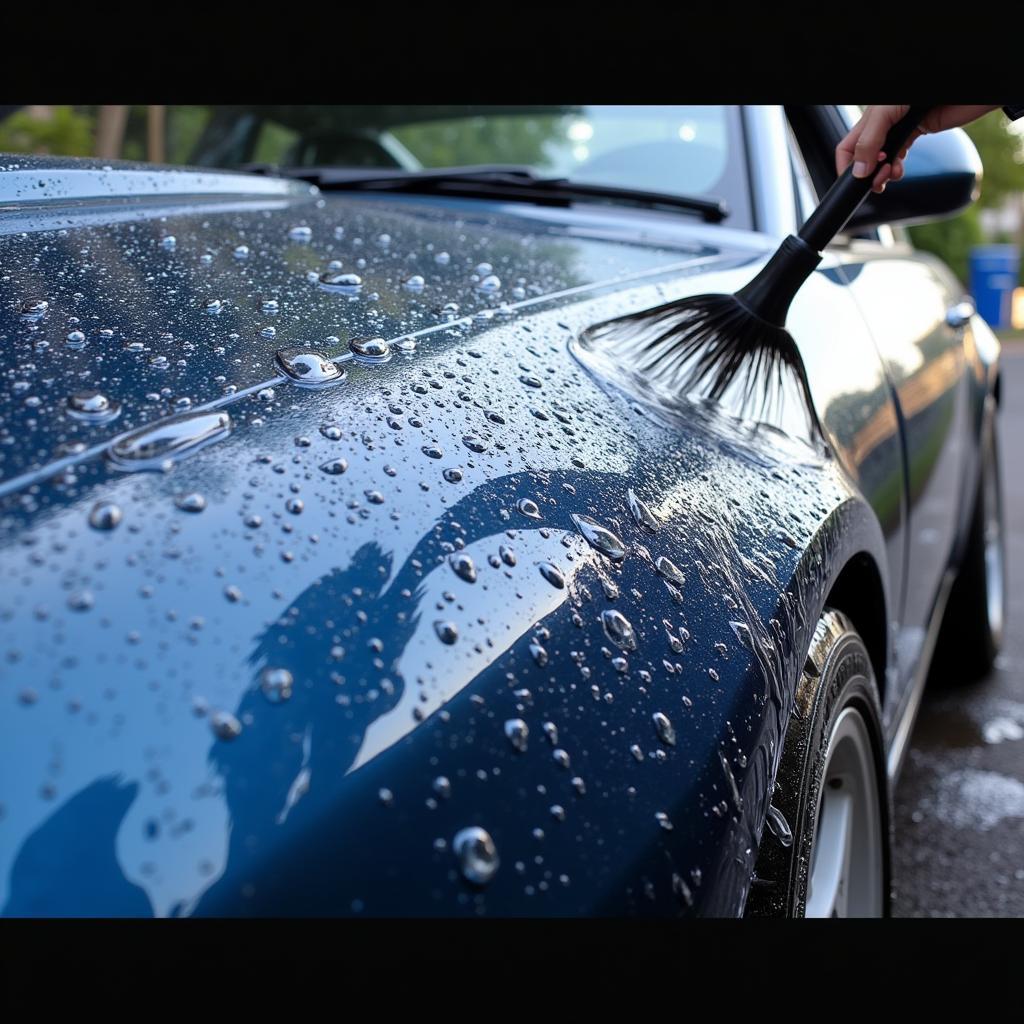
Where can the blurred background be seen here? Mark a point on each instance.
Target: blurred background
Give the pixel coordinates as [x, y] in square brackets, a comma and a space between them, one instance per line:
[982, 245]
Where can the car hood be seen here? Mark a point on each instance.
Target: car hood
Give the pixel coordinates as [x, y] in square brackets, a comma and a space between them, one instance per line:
[279, 649]
[161, 305]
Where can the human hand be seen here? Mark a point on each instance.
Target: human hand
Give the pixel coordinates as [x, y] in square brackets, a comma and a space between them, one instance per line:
[863, 144]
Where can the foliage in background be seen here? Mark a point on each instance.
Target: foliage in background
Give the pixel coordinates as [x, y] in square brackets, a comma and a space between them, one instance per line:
[482, 140]
[1002, 156]
[67, 131]
[71, 131]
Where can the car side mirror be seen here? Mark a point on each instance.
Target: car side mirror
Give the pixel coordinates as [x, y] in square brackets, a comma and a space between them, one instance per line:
[942, 178]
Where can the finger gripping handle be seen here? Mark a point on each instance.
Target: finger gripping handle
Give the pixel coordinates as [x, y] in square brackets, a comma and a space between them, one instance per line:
[841, 201]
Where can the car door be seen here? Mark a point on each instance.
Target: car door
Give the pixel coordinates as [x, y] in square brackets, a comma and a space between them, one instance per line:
[907, 301]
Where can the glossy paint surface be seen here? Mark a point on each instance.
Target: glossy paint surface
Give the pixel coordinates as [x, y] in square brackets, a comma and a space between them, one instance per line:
[284, 672]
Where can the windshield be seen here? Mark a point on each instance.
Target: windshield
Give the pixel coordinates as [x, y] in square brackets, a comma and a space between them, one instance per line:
[681, 150]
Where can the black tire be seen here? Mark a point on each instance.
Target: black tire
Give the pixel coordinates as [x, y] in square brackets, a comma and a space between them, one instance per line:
[837, 677]
[972, 626]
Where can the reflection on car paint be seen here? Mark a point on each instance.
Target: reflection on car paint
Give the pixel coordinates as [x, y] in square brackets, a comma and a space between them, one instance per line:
[268, 683]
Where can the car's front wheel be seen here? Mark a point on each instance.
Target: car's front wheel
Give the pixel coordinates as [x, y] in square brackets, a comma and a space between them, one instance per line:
[825, 848]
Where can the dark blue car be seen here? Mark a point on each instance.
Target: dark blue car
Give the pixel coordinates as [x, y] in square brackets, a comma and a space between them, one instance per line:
[351, 567]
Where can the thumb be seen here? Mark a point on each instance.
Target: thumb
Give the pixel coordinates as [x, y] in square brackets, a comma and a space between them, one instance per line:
[877, 122]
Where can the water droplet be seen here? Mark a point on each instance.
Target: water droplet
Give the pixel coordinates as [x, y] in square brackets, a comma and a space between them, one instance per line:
[619, 629]
[518, 733]
[334, 467]
[508, 556]
[446, 632]
[93, 407]
[432, 451]
[300, 234]
[442, 786]
[331, 432]
[157, 445]
[474, 443]
[105, 515]
[309, 368]
[269, 305]
[81, 601]
[681, 889]
[552, 574]
[600, 537]
[663, 727]
[414, 283]
[452, 475]
[540, 655]
[225, 726]
[463, 566]
[531, 382]
[34, 309]
[241, 252]
[370, 350]
[191, 502]
[670, 571]
[75, 339]
[490, 284]
[405, 345]
[779, 826]
[213, 306]
[736, 798]
[233, 593]
[637, 753]
[528, 508]
[551, 731]
[386, 797]
[561, 758]
[663, 820]
[350, 284]
[641, 513]
[169, 242]
[295, 506]
[276, 684]
[477, 854]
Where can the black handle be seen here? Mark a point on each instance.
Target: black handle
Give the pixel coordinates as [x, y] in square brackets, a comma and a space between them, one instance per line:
[840, 202]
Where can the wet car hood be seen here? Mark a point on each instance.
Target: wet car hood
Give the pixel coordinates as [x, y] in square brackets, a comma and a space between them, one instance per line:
[161, 310]
[367, 616]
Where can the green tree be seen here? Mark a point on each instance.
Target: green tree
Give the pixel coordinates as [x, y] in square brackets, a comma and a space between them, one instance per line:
[51, 131]
[482, 140]
[1002, 157]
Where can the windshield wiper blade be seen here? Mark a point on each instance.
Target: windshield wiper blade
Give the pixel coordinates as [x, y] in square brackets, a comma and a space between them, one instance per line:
[500, 182]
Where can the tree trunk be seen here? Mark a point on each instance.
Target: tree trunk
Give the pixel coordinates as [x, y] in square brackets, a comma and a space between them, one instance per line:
[155, 137]
[110, 131]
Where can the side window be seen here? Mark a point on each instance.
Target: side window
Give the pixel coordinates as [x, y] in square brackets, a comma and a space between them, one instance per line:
[806, 197]
[813, 133]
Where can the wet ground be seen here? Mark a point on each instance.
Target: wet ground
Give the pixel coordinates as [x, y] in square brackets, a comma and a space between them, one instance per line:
[959, 849]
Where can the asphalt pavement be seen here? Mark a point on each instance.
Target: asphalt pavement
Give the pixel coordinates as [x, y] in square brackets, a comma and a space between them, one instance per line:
[959, 827]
